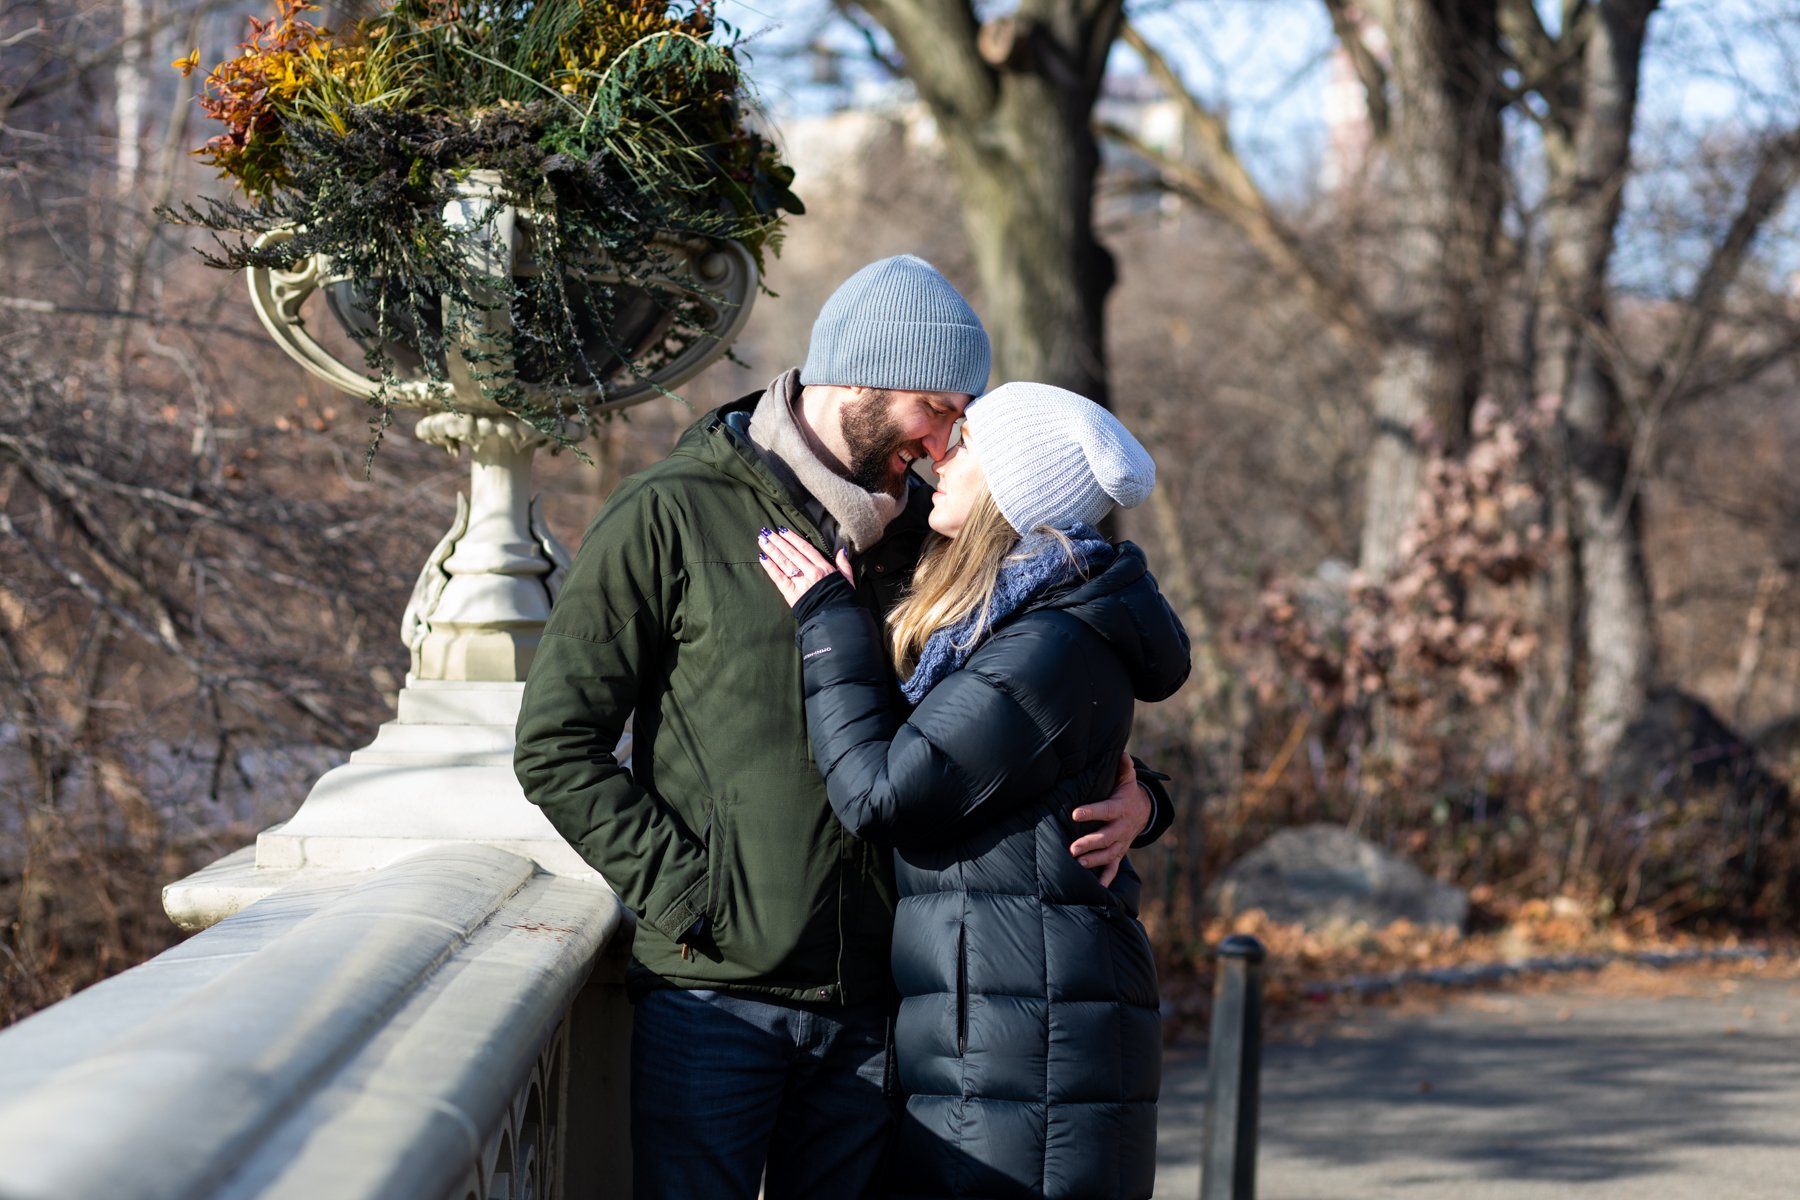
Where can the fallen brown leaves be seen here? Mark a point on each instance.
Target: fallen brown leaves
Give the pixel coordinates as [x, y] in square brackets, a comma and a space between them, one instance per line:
[1333, 971]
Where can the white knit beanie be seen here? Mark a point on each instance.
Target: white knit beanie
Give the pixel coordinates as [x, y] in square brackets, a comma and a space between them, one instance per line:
[1054, 458]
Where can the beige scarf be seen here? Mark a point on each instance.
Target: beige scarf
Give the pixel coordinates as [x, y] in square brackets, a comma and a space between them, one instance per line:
[862, 517]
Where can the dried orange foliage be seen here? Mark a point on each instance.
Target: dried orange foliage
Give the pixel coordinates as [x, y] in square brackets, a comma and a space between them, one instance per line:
[249, 93]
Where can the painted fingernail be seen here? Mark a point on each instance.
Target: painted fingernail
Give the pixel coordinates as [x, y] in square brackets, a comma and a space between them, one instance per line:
[765, 533]
[784, 529]
[762, 556]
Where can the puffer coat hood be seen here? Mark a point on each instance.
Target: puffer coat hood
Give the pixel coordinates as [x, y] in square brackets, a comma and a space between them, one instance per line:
[1122, 604]
[1028, 1036]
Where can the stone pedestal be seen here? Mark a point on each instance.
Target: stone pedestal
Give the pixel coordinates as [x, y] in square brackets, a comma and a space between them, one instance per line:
[481, 602]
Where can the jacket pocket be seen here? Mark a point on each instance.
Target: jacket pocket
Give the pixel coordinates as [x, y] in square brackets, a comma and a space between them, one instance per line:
[713, 838]
[962, 989]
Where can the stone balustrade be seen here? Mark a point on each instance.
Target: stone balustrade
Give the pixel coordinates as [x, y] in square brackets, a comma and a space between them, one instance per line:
[433, 1028]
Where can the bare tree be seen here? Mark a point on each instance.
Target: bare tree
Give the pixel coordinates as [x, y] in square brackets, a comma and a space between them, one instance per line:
[1013, 98]
[1614, 400]
[1434, 103]
[1429, 309]
[1443, 197]
[1588, 78]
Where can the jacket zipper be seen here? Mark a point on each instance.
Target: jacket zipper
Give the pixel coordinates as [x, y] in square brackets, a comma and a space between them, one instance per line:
[962, 990]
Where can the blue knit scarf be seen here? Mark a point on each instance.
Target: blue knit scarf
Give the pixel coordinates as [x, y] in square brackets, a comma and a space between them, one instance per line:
[1035, 566]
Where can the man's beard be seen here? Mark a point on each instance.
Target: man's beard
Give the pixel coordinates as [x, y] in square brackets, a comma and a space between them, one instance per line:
[873, 438]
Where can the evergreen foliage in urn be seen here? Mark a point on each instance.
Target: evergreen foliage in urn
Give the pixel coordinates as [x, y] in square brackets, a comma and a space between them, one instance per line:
[619, 127]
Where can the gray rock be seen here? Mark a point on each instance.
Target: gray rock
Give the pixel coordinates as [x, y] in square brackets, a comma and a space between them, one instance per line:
[1324, 876]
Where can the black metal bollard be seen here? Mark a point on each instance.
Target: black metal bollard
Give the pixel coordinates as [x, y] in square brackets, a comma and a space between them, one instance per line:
[1234, 1072]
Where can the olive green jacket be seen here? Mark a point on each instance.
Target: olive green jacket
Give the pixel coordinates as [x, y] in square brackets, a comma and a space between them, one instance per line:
[720, 836]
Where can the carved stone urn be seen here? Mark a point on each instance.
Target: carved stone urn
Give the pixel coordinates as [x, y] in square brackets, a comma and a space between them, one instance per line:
[442, 770]
[484, 593]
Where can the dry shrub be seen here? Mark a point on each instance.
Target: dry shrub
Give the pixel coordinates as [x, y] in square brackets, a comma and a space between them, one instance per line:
[1381, 702]
[1438, 631]
[1689, 825]
[1400, 699]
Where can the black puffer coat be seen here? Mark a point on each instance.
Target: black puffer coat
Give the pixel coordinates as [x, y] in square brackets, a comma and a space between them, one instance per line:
[1028, 1036]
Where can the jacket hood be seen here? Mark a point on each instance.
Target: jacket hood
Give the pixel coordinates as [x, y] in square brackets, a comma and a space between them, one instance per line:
[1123, 605]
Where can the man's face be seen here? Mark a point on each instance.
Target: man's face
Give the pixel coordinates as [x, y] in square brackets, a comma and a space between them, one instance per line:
[887, 431]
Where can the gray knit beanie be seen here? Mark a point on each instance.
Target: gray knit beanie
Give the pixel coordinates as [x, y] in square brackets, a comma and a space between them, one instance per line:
[898, 324]
[1054, 458]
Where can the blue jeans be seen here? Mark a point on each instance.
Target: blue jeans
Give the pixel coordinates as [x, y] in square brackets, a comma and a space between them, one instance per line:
[724, 1085]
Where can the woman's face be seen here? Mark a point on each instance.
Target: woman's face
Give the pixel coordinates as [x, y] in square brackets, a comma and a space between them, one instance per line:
[960, 481]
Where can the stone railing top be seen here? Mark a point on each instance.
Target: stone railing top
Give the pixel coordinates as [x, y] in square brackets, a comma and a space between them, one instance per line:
[352, 1037]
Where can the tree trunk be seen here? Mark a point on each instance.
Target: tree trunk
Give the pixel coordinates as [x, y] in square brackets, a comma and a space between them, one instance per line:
[130, 85]
[1044, 276]
[1443, 193]
[1588, 152]
[1013, 100]
[1616, 650]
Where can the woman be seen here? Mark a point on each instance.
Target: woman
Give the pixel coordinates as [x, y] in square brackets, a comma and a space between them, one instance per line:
[1028, 1038]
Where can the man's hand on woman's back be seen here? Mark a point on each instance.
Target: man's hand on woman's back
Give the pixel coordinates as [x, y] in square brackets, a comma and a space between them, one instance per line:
[1125, 814]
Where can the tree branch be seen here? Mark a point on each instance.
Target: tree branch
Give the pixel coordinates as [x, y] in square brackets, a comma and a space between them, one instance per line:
[1777, 171]
[24, 450]
[118, 565]
[1576, 15]
[1220, 182]
[52, 308]
[1734, 371]
[30, 90]
[1101, 22]
[937, 38]
[1368, 68]
[24, 35]
[1532, 46]
[888, 63]
[162, 636]
[1546, 63]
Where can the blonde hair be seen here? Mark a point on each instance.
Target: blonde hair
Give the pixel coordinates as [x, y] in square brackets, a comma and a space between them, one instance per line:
[957, 577]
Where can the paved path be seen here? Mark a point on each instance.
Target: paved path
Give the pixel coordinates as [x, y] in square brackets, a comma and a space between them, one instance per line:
[1526, 1096]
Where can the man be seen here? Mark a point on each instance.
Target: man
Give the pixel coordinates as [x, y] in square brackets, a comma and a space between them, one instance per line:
[760, 964]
